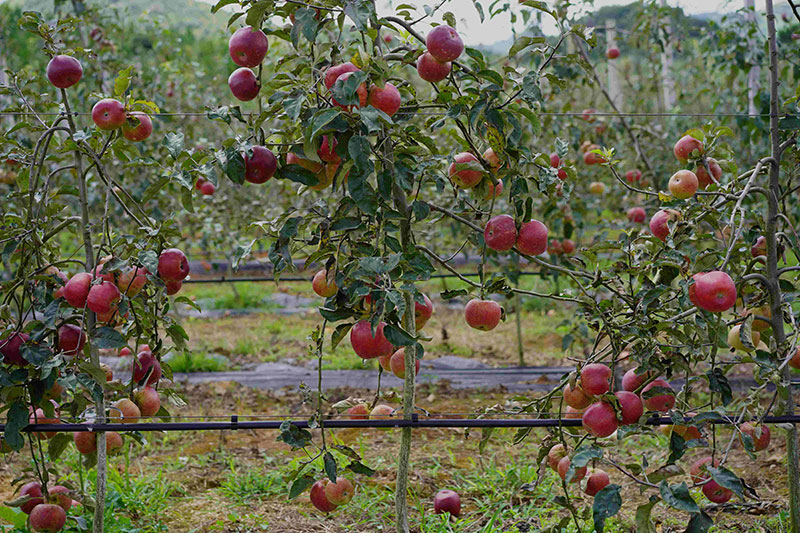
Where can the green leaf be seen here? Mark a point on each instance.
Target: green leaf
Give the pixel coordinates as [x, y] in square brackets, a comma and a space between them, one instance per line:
[299, 486]
[294, 436]
[359, 468]
[149, 260]
[57, 445]
[727, 479]
[678, 497]
[718, 382]
[330, 466]
[699, 523]
[398, 336]
[360, 12]
[16, 419]
[122, 82]
[233, 165]
[222, 3]
[106, 338]
[607, 503]
[644, 524]
[174, 143]
[34, 354]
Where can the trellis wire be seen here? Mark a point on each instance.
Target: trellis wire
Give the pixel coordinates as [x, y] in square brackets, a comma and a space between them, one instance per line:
[225, 279]
[426, 113]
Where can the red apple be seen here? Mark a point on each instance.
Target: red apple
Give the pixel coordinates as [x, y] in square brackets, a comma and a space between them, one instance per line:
[444, 43]
[137, 126]
[633, 176]
[173, 265]
[47, 518]
[577, 397]
[759, 249]
[491, 157]
[716, 493]
[447, 501]
[698, 469]
[199, 183]
[365, 344]
[318, 497]
[686, 147]
[659, 223]
[243, 84]
[327, 150]
[11, 348]
[147, 400]
[361, 91]
[563, 467]
[715, 291]
[387, 99]
[333, 73]
[103, 298]
[124, 411]
[592, 158]
[631, 407]
[595, 378]
[34, 491]
[429, 69]
[71, 339]
[108, 114]
[555, 161]
[107, 369]
[500, 233]
[683, 184]
[398, 364]
[632, 381]
[759, 433]
[59, 495]
[261, 166]
[146, 365]
[703, 177]
[567, 246]
[311, 166]
[38, 417]
[532, 239]
[483, 314]
[494, 191]
[612, 53]
[636, 214]
[64, 71]
[465, 171]
[381, 412]
[596, 482]
[555, 455]
[173, 286]
[359, 411]
[113, 442]
[248, 46]
[341, 492]
[661, 402]
[132, 280]
[600, 419]
[385, 362]
[554, 247]
[322, 286]
[422, 312]
[77, 289]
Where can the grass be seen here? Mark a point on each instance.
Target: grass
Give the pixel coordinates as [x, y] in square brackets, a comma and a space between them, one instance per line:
[189, 361]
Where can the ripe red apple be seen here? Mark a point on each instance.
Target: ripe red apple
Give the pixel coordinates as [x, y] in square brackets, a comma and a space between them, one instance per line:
[103, 298]
[555, 455]
[491, 157]
[34, 491]
[500, 233]
[573, 413]
[64, 71]
[385, 362]
[735, 339]
[532, 239]
[716, 493]
[132, 280]
[444, 43]
[360, 411]
[199, 183]
[173, 265]
[447, 501]
[686, 147]
[562, 175]
[422, 312]
[483, 314]
[327, 149]
[381, 412]
[592, 158]
[124, 411]
[333, 73]
[630, 406]
[683, 184]
[715, 291]
[107, 369]
[48, 518]
[77, 289]
[318, 497]
[633, 176]
[759, 248]
[600, 419]
[113, 442]
[369, 346]
[147, 400]
[341, 492]
[108, 114]
[698, 469]
[387, 99]
[261, 166]
[636, 214]
[555, 161]
[597, 481]
[248, 46]
[465, 171]
[577, 397]
[85, 442]
[567, 246]
[137, 126]
[759, 433]
[322, 286]
[11, 348]
[38, 417]
[146, 364]
[243, 84]
[612, 53]
[361, 91]
[554, 247]
[398, 364]
[59, 495]
[703, 177]
[659, 223]
[631, 381]
[563, 467]
[311, 166]
[431, 70]
[71, 339]
[173, 286]
[594, 378]
[661, 402]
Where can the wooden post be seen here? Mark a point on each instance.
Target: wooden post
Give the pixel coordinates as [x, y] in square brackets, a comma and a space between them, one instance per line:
[667, 58]
[613, 73]
[754, 75]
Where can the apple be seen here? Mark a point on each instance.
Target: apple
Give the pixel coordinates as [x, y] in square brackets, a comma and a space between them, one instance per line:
[108, 114]
[398, 364]
[759, 433]
[632, 381]
[341, 492]
[563, 467]
[64, 71]
[71, 339]
[333, 73]
[369, 346]
[77, 288]
[716, 493]
[47, 518]
[698, 469]
[447, 501]
[38, 417]
[444, 44]
[360, 411]
[636, 214]
[146, 364]
[592, 158]
[703, 177]
[597, 187]
[431, 70]
[633, 176]
[494, 191]
[381, 412]
[113, 442]
[261, 166]
[555, 161]
[758, 324]
[361, 91]
[686, 147]
[577, 397]
[124, 411]
[173, 265]
[387, 38]
[132, 280]
[691, 290]
[137, 126]
[322, 286]
[311, 166]
[661, 402]
[588, 115]
[147, 400]
[103, 298]
[573, 413]
[596, 482]
[612, 53]
[483, 314]
[34, 491]
[465, 170]
[759, 248]
[500, 233]
[107, 369]
[683, 184]
[318, 497]
[595, 378]
[554, 247]
[600, 419]
[386, 99]
[248, 46]
[173, 286]
[199, 183]
[631, 407]
[491, 157]
[555, 455]
[243, 84]
[567, 246]
[11, 348]
[562, 175]
[715, 291]
[532, 239]
[735, 339]
[327, 149]
[60, 496]
[422, 312]
[659, 223]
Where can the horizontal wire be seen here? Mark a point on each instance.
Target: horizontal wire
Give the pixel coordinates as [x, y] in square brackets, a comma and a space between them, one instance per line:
[427, 113]
[298, 279]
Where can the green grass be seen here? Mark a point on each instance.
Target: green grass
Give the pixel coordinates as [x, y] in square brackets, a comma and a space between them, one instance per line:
[245, 295]
[245, 485]
[190, 361]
